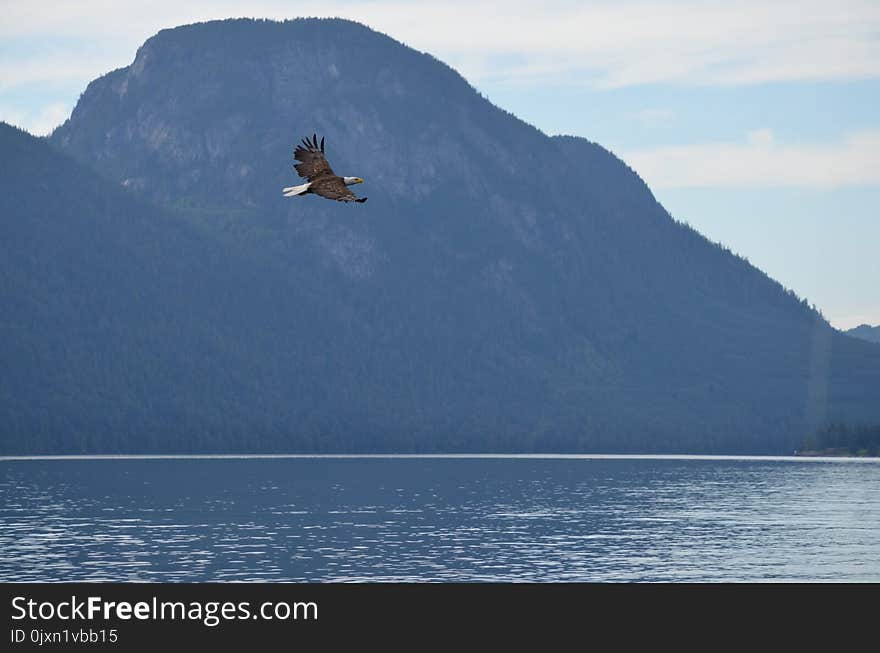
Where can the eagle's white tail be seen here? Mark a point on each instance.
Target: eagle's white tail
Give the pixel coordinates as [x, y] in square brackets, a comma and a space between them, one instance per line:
[290, 191]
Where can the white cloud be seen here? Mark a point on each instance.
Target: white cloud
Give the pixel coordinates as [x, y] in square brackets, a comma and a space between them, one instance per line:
[40, 122]
[49, 118]
[760, 161]
[607, 44]
[603, 44]
[51, 68]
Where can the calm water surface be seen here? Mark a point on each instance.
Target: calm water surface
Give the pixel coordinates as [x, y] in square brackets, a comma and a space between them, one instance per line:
[440, 519]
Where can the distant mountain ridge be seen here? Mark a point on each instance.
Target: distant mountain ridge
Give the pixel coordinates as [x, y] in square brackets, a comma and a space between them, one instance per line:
[501, 291]
[865, 332]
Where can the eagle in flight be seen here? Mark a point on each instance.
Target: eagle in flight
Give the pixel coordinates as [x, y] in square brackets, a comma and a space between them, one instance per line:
[321, 178]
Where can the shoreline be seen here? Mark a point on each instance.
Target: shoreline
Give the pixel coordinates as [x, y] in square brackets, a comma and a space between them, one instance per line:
[798, 456]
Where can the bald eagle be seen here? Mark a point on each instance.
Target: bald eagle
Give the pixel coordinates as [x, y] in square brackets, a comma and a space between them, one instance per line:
[321, 178]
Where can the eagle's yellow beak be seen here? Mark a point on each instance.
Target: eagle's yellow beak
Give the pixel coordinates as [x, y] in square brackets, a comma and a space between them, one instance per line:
[358, 180]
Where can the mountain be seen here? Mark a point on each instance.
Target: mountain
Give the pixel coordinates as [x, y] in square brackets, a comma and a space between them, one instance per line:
[865, 332]
[502, 290]
[122, 325]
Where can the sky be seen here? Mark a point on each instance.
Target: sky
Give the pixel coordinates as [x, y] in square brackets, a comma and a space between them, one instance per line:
[758, 123]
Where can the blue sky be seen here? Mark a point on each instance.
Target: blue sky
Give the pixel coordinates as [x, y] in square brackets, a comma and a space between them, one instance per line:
[755, 122]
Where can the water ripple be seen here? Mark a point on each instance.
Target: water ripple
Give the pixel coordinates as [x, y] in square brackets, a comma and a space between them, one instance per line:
[409, 519]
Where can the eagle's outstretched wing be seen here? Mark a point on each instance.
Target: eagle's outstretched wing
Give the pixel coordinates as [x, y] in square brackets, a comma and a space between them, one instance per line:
[311, 157]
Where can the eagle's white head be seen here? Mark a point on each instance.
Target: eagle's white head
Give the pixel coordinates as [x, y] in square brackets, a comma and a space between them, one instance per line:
[350, 181]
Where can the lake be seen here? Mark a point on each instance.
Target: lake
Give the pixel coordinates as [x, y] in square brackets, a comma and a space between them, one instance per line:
[459, 518]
